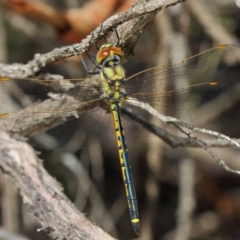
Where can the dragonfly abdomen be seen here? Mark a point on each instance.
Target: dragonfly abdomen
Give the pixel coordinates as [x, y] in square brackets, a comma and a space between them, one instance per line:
[126, 168]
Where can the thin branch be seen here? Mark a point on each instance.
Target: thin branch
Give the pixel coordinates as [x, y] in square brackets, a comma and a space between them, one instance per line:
[181, 126]
[231, 141]
[220, 161]
[141, 14]
[173, 140]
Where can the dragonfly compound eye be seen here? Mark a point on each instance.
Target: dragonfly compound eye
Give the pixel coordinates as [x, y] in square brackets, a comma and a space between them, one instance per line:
[109, 53]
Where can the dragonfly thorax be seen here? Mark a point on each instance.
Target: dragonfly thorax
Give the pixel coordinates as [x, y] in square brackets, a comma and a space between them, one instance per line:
[112, 83]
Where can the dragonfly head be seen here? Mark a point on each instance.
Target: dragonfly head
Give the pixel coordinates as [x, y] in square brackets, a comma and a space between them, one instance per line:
[108, 55]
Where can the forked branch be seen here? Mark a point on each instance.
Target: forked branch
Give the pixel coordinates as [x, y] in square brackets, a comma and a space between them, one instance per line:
[184, 128]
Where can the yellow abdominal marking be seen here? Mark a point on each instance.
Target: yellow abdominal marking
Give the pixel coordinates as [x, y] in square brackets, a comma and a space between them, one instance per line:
[213, 83]
[135, 220]
[123, 173]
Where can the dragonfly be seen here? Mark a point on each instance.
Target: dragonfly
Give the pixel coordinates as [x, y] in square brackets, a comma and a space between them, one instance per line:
[112, 93]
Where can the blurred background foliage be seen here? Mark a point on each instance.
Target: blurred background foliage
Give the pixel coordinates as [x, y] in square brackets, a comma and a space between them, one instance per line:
[182, 193]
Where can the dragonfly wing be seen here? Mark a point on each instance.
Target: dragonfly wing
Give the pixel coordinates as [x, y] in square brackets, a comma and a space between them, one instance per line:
[26, 108]
[194, 83]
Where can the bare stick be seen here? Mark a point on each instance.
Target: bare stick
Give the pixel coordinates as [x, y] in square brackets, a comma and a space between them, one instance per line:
[141, 14]
[220, 161]
[182, 126]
